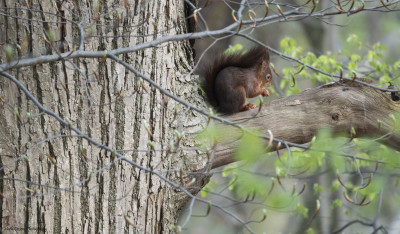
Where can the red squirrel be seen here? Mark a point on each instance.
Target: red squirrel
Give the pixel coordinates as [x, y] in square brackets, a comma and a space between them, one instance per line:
[232, 78]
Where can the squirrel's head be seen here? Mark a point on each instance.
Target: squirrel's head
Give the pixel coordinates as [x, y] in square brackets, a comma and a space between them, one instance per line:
[265, 73]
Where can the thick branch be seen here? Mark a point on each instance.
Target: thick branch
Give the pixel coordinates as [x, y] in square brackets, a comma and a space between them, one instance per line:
[297, 118]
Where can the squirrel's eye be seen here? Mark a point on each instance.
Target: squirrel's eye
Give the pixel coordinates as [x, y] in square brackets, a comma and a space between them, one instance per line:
[268, 76]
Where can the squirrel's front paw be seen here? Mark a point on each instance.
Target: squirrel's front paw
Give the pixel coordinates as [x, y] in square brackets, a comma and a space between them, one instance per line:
[249, 107]
[265, 92]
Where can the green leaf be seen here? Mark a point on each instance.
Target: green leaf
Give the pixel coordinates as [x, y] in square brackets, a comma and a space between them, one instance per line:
[379, 46]
[317, 188]
[248, 183]
[352, 67]
[280, 199]
[396, 65]
[355, 57]
[234, 49]
[385, 79]
[310, 231]
[353, 39]
[232, 183]
[9, 51]
[230, 169]
[289, 47]
[335, 186]
[301, 210]
[250, 148]
[203, 93]
[207, 188]
[213, 133]
[337, 203]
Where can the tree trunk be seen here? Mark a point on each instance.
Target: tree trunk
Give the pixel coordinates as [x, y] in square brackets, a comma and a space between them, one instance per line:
[58, 183]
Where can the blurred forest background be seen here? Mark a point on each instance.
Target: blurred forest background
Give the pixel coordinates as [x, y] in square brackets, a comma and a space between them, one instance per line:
[330, 35]
[313, 34]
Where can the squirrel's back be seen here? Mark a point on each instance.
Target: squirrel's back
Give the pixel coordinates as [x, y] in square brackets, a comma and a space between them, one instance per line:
[252, 58]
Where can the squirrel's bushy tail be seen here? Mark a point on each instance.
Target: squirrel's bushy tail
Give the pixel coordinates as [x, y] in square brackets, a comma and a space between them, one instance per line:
[252, 58]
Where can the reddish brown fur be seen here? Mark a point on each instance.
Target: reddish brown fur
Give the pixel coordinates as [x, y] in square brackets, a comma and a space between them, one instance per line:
[231, 78]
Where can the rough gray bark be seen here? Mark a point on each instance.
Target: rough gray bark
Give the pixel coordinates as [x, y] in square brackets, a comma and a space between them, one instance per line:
[68, 193]
[297, 118]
